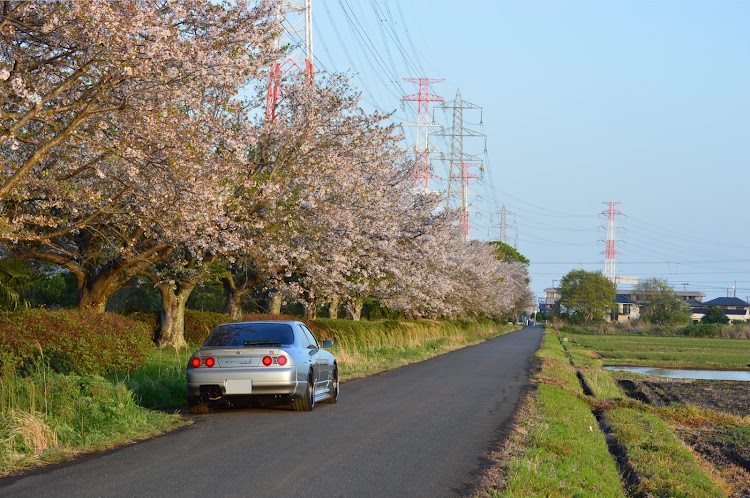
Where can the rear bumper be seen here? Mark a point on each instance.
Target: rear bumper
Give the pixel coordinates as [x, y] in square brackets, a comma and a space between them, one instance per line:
[277, 380]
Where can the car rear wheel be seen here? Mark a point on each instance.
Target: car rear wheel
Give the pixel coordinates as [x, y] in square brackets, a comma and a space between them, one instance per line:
[199, 407]
[306, 402]
[333, 392]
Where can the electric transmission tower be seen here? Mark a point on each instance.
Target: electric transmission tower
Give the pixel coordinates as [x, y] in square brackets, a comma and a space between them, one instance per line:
[610, 262]
[460, 162]
[423, 171]
[288, 19]
[504, 226]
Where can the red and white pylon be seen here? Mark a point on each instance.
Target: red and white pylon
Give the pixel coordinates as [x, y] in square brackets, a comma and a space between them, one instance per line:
[610, 260]
[281, 68]
[423, 97]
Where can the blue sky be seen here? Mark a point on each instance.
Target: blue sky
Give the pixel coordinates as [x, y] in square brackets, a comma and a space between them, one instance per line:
[645, 103]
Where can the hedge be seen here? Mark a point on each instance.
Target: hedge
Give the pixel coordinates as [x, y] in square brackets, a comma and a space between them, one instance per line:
[72, 341]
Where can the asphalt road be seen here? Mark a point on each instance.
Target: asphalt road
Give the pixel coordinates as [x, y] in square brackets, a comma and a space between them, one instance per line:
[420, 430]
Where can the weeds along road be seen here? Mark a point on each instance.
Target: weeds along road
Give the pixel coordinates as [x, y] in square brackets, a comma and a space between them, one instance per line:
[420, 430]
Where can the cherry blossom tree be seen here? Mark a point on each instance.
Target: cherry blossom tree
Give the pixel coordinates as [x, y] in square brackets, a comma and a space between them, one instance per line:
[125, 150]
[119, 128]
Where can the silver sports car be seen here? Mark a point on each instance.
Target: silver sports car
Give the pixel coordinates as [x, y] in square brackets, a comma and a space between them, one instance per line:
[262, 363]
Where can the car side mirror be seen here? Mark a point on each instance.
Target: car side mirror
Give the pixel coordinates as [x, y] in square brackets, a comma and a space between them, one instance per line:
[327, 344]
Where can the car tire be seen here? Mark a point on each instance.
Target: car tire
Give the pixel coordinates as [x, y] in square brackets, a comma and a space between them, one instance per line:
[306, 402]
[201, 409]
[333, 393]
[198, 407]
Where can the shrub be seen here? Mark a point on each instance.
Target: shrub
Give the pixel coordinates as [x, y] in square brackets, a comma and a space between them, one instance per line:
[72, 341]
[703, 330]
[151, 320]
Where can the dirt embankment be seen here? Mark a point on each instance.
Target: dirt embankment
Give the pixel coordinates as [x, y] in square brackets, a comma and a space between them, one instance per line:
[726, 447]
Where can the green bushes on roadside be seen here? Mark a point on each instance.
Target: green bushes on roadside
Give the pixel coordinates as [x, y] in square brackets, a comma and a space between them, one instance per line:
[72, 341]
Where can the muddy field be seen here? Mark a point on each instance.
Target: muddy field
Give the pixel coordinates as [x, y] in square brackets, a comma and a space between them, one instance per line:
[726, 396]
[726, 447]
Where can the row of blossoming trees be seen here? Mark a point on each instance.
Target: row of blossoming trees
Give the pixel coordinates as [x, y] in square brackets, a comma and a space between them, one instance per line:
[131, 145]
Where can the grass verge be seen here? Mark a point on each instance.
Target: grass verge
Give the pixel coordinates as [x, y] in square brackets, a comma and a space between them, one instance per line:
[559, 450]
[48, 417]
[566, 453]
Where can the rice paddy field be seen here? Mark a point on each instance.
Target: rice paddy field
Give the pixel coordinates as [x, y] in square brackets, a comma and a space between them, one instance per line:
[667, 351]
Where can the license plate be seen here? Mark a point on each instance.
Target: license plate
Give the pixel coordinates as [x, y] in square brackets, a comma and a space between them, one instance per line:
[238, 386]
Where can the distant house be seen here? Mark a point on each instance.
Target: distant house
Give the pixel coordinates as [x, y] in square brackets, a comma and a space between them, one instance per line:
[552, 296]
[734, 307]
[627, 310]
[687, 296]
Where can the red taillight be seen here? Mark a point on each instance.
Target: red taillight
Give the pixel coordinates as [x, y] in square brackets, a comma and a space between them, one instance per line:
[195, 362]
[281, 360]
[210, 362]
[267, 360]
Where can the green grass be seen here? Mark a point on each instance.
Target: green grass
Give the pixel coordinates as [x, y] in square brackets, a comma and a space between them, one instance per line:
[562, 452]
[161, 382]
[602, 384]
[566, 455]
[665, 466]
[667, 351]
[48, 417]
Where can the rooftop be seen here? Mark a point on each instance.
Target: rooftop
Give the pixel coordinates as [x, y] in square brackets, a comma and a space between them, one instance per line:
[726, 301]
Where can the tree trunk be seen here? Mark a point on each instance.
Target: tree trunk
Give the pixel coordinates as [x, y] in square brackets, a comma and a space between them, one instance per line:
[333, 308]
[172, 317]
[234, 295]
[311, 308]
[354, 307]
[93, 295]
[274, 305]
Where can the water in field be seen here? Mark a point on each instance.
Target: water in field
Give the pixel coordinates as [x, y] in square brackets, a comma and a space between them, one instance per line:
[673, 373]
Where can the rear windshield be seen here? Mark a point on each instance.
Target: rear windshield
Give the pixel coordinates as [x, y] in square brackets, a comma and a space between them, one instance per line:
[238, 335]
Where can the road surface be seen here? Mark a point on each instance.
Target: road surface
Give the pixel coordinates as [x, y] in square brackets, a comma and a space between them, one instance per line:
[419, 430]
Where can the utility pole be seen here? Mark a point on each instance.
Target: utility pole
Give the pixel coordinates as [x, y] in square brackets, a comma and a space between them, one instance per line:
[459, 162]
[422, 173]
